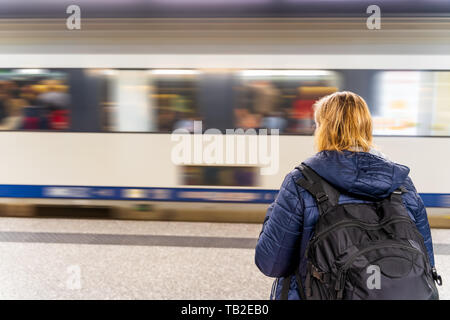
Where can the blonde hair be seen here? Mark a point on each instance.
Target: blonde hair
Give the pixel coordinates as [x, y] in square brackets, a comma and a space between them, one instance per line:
[343, 122]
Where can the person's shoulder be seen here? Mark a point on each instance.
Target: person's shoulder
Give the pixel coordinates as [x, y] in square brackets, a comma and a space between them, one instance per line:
[294, 174]
[410, 196]
[290, 181]
[409, 184]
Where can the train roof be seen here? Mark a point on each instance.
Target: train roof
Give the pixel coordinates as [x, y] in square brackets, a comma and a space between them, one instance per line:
[42, 9]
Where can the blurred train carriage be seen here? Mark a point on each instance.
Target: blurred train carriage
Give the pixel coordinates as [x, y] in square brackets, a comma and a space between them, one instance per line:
[94, 130]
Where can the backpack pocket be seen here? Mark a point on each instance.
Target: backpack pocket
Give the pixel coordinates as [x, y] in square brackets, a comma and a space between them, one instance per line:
[386, 270]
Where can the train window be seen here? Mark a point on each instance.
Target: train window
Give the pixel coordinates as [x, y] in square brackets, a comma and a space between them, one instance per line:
[174, 97]
[219, 176]
[132, 109]
[282, 99]
[34, 99]
[149, 100]
[441, 108]
[412, 103]
[397, 102]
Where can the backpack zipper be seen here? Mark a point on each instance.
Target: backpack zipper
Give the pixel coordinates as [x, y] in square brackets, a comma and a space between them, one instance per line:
[342, 272]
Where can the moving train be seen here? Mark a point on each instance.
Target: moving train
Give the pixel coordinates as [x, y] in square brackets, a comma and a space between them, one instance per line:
[124, 93]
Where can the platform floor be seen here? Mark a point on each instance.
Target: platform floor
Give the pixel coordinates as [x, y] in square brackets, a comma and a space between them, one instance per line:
[117, 259]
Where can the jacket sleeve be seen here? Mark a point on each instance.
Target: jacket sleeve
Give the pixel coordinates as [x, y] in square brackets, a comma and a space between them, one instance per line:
[415, 205]
[278, 247]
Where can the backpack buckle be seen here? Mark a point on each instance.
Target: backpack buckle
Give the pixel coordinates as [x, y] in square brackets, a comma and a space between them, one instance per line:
[319, 275]
[436, 277]
[321, 197]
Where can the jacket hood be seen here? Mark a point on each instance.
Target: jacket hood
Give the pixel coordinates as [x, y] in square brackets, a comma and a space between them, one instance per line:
[359, 173]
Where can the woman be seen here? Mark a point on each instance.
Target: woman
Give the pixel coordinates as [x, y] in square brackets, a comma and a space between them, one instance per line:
[348, 161]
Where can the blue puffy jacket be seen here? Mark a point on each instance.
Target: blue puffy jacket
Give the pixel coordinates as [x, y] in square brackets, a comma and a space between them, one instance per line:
[290, 219]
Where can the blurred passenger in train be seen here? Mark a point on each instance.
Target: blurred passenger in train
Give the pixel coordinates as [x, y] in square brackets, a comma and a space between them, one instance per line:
[302, 112]
[15, 105]
[16, 101]
[166, 119]
[27, 92]
[185, 123]
[55, 100]
[4, 97]
[264, 97]
[275, 120]
[302, 107]
[258, 107]
[55, 94]
[245, 119]
[348, 161]
[34, 117]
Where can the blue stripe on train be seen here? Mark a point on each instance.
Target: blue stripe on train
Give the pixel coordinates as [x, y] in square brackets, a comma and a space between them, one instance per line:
[167, 194]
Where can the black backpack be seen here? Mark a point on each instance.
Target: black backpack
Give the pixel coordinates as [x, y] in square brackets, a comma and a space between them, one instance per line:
[362, 251]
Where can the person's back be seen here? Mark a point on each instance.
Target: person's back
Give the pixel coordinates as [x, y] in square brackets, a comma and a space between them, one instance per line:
[347, 161]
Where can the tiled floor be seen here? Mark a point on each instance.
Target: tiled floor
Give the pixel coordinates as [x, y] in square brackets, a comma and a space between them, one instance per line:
[97, 269]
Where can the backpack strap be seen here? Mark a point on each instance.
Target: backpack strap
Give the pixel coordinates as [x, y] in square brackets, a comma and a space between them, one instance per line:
[325, 195]
[287, 284]
[285, 287]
